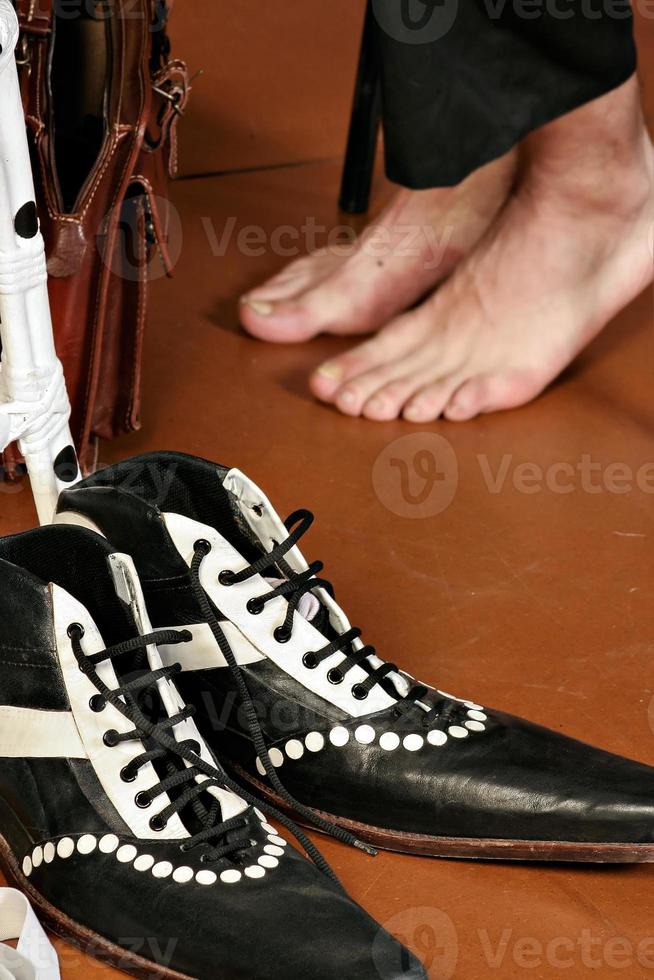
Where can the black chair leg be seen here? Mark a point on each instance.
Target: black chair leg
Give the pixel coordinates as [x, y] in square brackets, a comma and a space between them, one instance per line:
[364, 125]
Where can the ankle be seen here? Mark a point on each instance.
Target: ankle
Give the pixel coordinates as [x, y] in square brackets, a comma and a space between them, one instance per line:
[617, 184]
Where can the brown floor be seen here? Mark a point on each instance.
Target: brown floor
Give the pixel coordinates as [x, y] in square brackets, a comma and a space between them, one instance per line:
[523, 597]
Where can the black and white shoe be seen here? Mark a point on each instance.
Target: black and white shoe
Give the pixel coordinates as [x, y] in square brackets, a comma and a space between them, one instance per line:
[115, 820]
[298, 707]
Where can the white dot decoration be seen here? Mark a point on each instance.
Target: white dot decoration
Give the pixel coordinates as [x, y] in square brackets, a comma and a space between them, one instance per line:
[37, 856]
[206, 877]
[294, 749]
[182, 875]
[276, 758]
[268, 861]
[255, 871]
[412, 743]
[108, 844]
[65, 847]
[475, 707]
[339, 736]
[49, 852]
[274, 839]
[477, 715]
[457, 732]
[476, 726]
[274, 850]
[365, 734]
[27, 866]
[314, 742]
[437, 737]
[231, 876]
[87, 842]
[260, 767]
[143, 862]
[389, 741]
[162, 869]
[269, 828]
[126, 853]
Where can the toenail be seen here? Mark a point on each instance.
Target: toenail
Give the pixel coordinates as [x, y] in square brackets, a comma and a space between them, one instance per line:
[455, 411]
[377, 404]
[347, 397]
[331, 369]
[260, 306]
[413, 411]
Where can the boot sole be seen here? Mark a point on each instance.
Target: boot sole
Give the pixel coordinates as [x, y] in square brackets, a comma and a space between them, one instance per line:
[89, 942]
[469, 848]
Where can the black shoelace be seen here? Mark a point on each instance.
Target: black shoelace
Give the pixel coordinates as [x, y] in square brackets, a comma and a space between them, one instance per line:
[298, 584]
[200, 551]
[233, 833]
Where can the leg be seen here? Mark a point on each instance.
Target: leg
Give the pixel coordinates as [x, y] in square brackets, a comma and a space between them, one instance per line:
[567, 253]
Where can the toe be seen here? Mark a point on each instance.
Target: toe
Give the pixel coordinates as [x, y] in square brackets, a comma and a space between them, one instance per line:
[387, 402]
[468, 401]
[493, 394]
[395, 342]
[354, 397]
[428, 403]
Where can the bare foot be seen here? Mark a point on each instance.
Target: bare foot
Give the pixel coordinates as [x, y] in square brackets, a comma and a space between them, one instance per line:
[570, 250]
[414, 244]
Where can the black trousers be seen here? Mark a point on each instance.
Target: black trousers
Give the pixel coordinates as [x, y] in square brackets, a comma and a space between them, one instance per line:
[463, 81]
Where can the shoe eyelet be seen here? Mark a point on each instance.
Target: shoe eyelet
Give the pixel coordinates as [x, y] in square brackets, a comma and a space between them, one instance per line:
[157, 823]
[143, 800]
[127, 775]
[282, 635]
[202, 545]
[110, 738]
[226, 577]
[97, 703]
[334, 676]
[254, 606]
[75, 630]
[310, 660]
[360, 692]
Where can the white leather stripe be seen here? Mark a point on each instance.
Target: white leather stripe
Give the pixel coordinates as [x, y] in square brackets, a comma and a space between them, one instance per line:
[128, 587]
[107, 761]
[203, 653]
[258, 629]
[266, 524]
[31, 734]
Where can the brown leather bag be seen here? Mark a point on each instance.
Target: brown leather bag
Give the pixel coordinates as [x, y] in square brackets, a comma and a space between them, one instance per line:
[102, 99]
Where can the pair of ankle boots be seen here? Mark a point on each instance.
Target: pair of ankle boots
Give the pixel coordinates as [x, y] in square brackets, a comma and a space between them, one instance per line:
[174, 675]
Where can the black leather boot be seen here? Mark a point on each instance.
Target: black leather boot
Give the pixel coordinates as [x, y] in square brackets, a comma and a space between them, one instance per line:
[114, 817]
[295, 704]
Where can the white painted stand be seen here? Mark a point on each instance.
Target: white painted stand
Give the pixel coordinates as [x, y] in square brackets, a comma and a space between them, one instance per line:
[34, 406]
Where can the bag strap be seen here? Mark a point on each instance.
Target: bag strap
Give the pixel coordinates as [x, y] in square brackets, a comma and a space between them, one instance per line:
[35, 17]
[34, 957]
